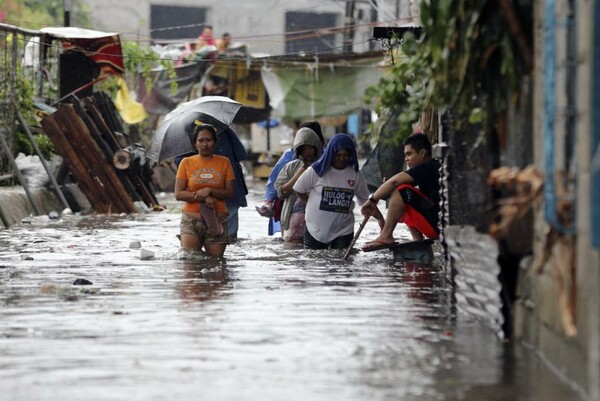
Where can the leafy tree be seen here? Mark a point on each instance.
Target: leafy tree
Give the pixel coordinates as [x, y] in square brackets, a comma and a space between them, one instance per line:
[35, 14]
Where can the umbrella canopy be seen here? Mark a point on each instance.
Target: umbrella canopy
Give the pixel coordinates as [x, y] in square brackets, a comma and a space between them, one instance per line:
[173, 136]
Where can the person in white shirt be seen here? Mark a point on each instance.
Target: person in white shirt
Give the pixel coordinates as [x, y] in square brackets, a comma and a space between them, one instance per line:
[328, 187]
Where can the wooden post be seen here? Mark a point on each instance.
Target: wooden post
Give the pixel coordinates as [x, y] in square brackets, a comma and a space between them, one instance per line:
[131, 174]
[84, 178]
[124, 190]
[107, 179]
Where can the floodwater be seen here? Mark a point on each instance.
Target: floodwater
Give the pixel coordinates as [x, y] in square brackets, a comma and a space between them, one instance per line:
[270, 322]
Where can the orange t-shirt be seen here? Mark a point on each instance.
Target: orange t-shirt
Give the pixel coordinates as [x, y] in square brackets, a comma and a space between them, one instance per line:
[202, 173]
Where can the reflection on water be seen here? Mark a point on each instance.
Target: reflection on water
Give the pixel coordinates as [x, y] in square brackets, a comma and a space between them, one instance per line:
[270, 321]
[203, 279]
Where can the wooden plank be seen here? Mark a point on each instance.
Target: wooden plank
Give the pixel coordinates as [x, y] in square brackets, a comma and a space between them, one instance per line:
[95, 114]
[146, 193]
[414, 251]
[134, 181]
[109, 111]
[103, 143]
[108, 141]
[80, 133]
[84, 179]
[76, 133]
[125, 193]
[405, 246]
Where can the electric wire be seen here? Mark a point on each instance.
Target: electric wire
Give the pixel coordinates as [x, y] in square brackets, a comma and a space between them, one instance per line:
[271, 59]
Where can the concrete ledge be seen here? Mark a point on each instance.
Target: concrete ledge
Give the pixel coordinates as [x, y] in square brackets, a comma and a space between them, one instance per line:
[15, 205]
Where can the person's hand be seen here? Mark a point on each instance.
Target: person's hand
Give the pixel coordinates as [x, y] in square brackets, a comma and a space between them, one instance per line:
[202, 194]
[368, 209]
[209, 201]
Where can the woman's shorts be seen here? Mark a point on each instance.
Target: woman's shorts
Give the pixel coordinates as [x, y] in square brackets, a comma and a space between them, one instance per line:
[193, 226]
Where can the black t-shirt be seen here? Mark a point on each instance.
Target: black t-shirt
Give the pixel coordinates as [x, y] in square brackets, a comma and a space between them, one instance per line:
[427, 176]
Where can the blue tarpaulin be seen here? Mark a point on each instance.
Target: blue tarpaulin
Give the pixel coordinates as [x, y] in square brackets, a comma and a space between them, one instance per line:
[272, 123]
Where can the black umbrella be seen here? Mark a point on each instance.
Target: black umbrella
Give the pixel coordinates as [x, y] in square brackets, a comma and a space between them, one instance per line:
[173, 136]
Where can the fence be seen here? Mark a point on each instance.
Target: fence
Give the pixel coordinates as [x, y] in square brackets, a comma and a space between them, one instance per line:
[27, 74]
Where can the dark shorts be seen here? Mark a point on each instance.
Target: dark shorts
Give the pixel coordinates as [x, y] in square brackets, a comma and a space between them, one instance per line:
[342, 242]
[193, 226]
[420, 212]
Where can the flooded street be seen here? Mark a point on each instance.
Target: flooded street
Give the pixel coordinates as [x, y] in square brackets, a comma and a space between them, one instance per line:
[271, 322]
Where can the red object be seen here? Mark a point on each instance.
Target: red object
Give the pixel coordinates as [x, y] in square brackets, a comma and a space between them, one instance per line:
[412, 218]
[277, 206]
[106, 52]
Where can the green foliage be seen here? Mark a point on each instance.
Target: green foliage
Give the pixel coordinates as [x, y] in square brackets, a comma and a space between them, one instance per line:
[143, 60]
[466, 62]
[44, 12]
[25, 105]
[24, 145]
[35, 14]
[405, 87]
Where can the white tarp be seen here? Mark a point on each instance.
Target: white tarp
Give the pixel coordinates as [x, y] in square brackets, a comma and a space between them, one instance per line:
[71, 32]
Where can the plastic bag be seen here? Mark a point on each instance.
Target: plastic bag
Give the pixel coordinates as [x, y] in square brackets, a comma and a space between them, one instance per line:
[33, 170]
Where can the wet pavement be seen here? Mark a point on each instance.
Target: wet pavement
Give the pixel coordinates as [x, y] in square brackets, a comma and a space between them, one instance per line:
[271, 322]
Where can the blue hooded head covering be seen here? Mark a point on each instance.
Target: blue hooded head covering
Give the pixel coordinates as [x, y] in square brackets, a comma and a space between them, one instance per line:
[337, 142]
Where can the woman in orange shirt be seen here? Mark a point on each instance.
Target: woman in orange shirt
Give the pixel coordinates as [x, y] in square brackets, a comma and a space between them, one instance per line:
[203, 182]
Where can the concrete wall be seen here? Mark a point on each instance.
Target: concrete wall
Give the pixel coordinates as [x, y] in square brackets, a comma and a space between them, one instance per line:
[16, 206]
[245, 20]
[538, 317]
[589, 258]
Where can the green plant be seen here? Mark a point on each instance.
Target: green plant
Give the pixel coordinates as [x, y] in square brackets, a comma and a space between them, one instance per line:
[24, 145]
[470, 60]
[143, 60]
[26, 107]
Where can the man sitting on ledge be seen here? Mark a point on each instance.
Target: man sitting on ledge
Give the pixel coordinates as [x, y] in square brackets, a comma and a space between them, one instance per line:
[414, 196]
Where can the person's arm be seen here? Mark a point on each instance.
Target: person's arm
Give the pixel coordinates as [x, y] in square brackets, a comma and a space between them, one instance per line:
[370, 207]
[270, 192]
[208, 194]
[220, 193]
[303, 196]
[286, 180]
[181, 192]
[181, 186]
[391, 184]
[305, 183]
[220, 44]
